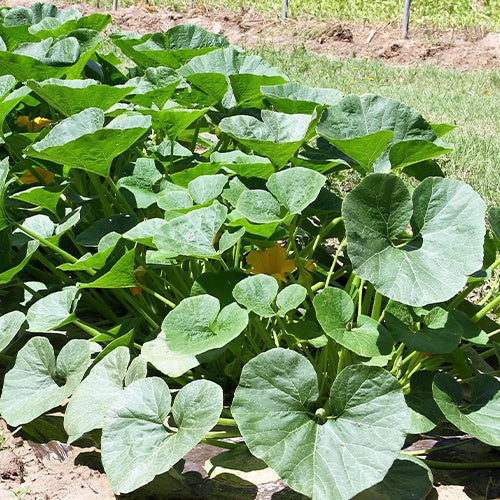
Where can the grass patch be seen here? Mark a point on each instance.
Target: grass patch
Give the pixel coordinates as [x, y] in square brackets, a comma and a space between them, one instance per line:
[424, 13]
[468, 100]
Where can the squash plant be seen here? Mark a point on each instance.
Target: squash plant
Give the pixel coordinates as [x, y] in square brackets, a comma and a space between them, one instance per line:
[179, 266]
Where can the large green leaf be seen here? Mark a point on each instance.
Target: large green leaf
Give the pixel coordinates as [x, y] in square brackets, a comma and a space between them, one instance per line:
[334, 311]
[297, 98]
[118, 273]
[52, 311]
[38, 383]
[70, 97]
[439, 334]
[156, 86]
[138, 186]
[415, 151]
[325, 450]
[480, 417]
[172, 48]
[277, 136]
[192, 234]
[198, 324]
[296, 188]
[142, 412]
[100, 389]
[425, 413]
[244, 165]
[259, 206]
[82, 141]
[10, 323]
[408, 478]
[213, 73]
[42, 197]
[432, 264]
[172, 364]
[360, 116]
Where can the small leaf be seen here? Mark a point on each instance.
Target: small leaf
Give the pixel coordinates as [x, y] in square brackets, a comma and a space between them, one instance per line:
[143, 410]
[296, 188]
[258, 206]
[290, 298]
[192, 234]
[31, 388]
[406, 153]
[52, 311]
[198, 324]
[10, 324]
[207, 187]
[257, 293]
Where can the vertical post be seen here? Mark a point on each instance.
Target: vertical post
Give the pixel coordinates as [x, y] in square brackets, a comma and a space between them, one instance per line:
[115, 4]
[406, 18]
[284, 9]
[191, 4]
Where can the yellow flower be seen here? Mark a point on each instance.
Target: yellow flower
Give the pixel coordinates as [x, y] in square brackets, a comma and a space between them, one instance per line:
[34, 125]
[271, 261]
[40, 123]
[29, 178]
[22, 121]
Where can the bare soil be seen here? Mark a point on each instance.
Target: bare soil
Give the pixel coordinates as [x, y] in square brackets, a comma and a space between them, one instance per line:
[472, 49]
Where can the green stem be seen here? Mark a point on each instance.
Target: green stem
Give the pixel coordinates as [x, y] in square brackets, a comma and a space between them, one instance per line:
[119, 197]
[227, 422]
[462, 296]
[169, 303]
[219, 444]
[223, 434]
[377, 306]
[86, 328]
[334, 263]
[485, 310]
[45, 243]
[462, 465]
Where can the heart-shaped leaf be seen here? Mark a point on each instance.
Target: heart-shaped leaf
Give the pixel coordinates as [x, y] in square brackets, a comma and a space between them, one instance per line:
[432, 264]
[38, 383]
[198, 324]
[360, 116]
[100, 389]
[82, 141]
[257, 293]
[207, 187]
[296, 188]
[72, 96]
[52, 311]
[259, 206]
[297, 98]
[334, 311]
[290, 298]
[194, 233]
[278, 136]
[142, 410]
[328, 452]
[480, 417]
[440, 335]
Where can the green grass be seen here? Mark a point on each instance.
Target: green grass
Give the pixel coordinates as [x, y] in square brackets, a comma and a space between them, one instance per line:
[425, 13]
[469, 100]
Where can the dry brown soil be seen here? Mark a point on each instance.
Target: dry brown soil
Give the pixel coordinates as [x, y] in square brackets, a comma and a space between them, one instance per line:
[35, 472]
[473, 49]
